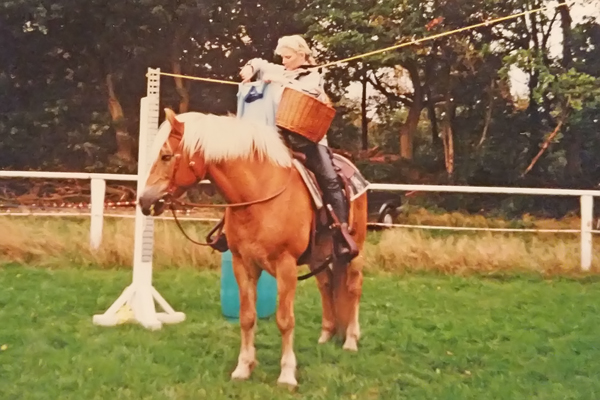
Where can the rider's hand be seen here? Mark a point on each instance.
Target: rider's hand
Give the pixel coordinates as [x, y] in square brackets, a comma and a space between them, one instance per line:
[247, 73]
[268, 78]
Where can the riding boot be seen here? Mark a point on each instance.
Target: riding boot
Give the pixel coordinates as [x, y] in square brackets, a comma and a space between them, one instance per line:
[319, 161]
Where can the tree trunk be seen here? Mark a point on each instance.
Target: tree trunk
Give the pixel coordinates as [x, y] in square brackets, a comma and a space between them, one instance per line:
[408, 129]
[488, 113]
[565, 23]
[533, 108]
[574, 170]
[575, 143]
[447, 132]
[435, 132]
[363, 108]
[182, 91]
[124, 140]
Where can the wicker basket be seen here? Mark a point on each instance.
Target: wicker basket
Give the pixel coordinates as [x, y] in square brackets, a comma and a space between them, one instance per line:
[304, 115]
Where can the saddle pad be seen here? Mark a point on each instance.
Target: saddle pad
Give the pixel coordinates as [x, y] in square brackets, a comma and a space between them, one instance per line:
[310, 183]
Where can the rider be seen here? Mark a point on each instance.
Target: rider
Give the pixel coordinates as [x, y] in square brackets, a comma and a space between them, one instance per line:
[296, 72]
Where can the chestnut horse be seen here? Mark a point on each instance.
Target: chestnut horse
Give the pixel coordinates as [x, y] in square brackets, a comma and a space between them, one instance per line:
[268, 222]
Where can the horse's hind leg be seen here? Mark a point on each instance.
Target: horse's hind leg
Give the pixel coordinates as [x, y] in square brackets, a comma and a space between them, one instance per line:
[325, 287]
[247, 280]
[347, 291]
[350, 284]
[286, 290]
[354, 281]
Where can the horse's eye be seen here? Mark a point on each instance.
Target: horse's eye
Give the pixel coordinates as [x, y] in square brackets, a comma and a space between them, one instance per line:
[167, 157]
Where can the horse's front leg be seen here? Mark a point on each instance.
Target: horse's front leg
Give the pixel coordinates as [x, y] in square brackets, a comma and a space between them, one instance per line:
[247, 279]
[286, 290]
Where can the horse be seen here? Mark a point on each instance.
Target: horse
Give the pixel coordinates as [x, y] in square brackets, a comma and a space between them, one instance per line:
[269, 219]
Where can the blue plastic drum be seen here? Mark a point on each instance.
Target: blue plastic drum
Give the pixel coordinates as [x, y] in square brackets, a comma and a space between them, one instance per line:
[266, 296]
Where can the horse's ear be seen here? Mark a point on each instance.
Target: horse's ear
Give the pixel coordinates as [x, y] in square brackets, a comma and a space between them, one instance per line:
[172, 118]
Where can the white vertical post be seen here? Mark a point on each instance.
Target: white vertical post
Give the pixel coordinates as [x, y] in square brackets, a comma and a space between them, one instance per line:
[136, 303]
[97, 211]
[587, 212]
[144, 226]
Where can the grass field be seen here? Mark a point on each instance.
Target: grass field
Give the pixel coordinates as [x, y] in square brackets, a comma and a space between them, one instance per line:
[425, 336]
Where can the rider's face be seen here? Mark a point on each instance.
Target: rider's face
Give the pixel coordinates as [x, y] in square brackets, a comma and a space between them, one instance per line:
[291, 59]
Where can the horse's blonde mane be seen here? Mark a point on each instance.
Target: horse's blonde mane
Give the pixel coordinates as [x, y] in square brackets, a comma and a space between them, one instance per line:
[222, 138]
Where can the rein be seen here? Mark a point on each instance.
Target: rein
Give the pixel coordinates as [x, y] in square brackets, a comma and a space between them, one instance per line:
[182, 230]
[242, 204]
[310, 274]
[317, 270]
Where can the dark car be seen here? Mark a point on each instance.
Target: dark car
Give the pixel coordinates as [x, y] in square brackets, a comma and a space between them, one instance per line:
[383, 207]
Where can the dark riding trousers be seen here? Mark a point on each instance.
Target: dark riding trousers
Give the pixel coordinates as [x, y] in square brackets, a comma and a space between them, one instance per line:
[319, 161]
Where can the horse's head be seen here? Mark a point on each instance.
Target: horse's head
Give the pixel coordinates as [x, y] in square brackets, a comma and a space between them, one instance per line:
[173, 171]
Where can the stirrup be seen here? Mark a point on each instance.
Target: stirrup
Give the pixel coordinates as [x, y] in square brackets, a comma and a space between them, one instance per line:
[218, 243]
[344, 247]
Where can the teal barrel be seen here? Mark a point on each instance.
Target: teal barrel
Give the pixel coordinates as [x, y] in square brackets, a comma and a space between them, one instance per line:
[266, 296]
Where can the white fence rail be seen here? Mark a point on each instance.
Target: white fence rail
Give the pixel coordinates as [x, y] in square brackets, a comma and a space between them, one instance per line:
[98, 189]
[586, 204]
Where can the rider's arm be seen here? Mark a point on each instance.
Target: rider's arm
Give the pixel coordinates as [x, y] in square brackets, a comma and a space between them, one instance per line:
[262, 67]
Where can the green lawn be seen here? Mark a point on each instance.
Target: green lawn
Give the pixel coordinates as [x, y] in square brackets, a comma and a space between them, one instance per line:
[424, 337]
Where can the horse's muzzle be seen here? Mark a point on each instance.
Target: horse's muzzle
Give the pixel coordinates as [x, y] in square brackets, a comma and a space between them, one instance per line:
[154, 209]
[152, 204]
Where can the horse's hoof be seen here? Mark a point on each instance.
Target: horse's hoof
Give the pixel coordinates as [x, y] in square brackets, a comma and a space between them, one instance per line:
[325, 336]
[241, 373]
[350, 344]
[288, 381]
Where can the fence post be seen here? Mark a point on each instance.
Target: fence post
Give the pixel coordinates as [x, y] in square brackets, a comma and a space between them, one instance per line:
[587, 212]
[97, 212]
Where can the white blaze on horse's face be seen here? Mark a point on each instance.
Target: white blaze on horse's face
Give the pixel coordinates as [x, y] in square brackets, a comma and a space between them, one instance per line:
[160, 174]
[157, 182]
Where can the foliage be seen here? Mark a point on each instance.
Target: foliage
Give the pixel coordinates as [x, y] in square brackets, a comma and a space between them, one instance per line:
[57, 58]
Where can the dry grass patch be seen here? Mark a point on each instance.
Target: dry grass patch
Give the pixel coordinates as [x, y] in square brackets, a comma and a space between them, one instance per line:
[55, 241]
[422, 216]
[51, 241]
[482, 252]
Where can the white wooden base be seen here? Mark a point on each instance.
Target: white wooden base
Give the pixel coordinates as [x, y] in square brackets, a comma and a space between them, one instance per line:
[136, 304]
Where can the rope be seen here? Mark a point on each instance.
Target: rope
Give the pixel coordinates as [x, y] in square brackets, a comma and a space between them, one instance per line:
[404, 44]
[196, 78]
[378, 224]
